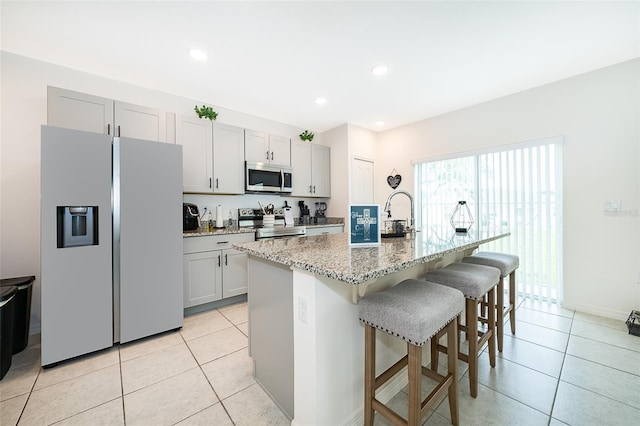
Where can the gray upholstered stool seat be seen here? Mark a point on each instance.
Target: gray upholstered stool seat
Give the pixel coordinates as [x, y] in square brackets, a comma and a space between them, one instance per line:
[507, 264]
[413, 310]
[474, 281]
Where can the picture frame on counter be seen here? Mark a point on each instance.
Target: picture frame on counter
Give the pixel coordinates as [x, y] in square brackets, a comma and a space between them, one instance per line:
[364, 225]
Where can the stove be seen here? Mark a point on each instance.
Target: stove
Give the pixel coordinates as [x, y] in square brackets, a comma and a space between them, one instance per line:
[252, 218]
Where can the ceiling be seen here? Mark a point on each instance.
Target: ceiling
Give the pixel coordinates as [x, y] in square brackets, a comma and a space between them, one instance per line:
[272, 59]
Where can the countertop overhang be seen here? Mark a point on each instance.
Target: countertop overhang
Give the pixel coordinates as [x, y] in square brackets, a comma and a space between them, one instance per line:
[333, 257]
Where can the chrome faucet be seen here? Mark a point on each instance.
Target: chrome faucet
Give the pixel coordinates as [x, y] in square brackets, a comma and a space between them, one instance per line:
[387, 206]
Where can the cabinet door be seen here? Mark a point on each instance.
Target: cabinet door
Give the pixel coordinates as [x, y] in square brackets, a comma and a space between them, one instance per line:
[134, 121]
[228, 159]
[321, 170]
[202, 277]
[196, 137]
[256, 146]
[234, 273]
[301, 165]
[279, 150]
[78, 111]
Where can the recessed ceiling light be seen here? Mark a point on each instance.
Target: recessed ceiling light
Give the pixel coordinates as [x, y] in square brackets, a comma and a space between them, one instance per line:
[379, 70]
[379, 123]
[198, 55]
[320, 101]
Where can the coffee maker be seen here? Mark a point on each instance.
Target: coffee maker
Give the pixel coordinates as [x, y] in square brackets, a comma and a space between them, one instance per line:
[320, 216]
[190, 217]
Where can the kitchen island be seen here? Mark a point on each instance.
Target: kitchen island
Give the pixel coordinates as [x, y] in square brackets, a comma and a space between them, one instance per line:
[304, 334]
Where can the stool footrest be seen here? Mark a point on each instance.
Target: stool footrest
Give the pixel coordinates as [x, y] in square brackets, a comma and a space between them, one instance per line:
[391, 371]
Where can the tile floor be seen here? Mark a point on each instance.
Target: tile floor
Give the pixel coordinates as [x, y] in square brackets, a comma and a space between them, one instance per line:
[560, 368]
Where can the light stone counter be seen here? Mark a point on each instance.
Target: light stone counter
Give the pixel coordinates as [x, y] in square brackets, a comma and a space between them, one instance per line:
[331, 256]
[305, 338]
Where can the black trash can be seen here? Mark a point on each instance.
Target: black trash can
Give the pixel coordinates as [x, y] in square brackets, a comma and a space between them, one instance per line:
[7, 306]
[22, 310]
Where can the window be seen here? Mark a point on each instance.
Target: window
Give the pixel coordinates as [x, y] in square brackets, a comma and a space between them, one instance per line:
[516, 189]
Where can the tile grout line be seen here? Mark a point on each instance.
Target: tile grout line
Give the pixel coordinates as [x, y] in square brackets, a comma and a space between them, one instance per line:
[564, 357]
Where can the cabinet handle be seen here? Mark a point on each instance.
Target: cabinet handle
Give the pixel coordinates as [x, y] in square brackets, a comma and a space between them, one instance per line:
[267, 155]
[209, 182]
[109, 128]
[216, 183]
[222, 242]
[272, 155]
[225, 260]
[118, 131]
[219, 260]
[314, 189]
[310, 189]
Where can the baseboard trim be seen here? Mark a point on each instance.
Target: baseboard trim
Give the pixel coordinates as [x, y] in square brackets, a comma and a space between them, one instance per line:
[595, 310]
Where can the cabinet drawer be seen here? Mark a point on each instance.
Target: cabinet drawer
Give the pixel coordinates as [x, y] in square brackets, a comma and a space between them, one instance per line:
[214, 242]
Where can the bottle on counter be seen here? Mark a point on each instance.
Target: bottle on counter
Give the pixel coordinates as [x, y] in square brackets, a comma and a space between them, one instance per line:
[210, 223]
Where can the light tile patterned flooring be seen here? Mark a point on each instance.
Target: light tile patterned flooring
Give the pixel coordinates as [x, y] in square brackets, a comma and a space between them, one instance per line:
[560, 368]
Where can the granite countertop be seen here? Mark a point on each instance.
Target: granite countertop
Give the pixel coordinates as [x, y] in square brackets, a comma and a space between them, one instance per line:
[331, 256]
[218, 231]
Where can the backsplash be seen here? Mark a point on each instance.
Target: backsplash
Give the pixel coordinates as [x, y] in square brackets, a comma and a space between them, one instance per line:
[234, 202]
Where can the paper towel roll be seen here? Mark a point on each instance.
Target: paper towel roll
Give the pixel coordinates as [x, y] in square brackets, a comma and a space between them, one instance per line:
[219, 217]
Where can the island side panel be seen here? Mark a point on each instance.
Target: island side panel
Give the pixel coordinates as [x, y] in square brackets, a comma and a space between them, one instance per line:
[270, 303]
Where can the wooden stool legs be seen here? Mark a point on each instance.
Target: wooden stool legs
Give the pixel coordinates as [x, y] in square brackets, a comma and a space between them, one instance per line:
[471, 329]
[413, 360]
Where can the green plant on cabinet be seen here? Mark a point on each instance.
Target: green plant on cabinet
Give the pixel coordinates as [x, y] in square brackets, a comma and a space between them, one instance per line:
[206, 112]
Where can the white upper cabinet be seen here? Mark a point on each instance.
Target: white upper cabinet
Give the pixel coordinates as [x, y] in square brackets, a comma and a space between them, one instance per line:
[261, 147]
[321, 170]
[79, 111]
[196, 137]
[280, 148]
[134, 121]
[228, 159]
[311, 165]
[212, 156]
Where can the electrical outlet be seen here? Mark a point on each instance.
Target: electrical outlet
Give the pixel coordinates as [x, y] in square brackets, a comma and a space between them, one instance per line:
[303, 309]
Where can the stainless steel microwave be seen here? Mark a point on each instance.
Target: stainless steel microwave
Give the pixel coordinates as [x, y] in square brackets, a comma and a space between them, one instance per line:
[261, 177]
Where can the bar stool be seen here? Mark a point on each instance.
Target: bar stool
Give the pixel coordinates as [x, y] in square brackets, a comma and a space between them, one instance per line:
[413, 310]
[474, 281]
[507, 264]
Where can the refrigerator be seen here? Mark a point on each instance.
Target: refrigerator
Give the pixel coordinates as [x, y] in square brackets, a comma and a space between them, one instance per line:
[111, 241]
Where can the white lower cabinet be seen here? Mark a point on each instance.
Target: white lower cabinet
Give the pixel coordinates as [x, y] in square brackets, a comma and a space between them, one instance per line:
[213, 270]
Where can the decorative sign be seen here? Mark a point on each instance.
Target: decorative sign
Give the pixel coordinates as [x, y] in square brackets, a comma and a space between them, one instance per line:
[364, 224]
[394, 180]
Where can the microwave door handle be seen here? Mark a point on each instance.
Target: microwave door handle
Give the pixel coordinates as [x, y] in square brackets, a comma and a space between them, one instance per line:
[281, 180]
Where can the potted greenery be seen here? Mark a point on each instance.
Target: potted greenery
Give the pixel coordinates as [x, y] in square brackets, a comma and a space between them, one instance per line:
[206, 112]
[306, 136]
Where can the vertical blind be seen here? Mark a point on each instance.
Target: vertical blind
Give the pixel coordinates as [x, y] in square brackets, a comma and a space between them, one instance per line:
[516, 189]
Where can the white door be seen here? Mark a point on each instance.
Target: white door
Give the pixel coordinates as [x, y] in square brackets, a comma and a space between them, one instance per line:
[228, 159]
[135, 121]
[196, 137]
[361, 181]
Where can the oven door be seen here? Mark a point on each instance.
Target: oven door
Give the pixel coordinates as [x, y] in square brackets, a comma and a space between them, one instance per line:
[262, 177]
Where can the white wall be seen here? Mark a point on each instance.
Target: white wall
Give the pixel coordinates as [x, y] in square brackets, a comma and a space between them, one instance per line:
[24, 109]
[598, 115]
